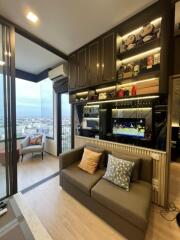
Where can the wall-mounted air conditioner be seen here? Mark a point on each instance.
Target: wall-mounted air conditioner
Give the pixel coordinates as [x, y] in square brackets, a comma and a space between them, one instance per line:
[59, 72]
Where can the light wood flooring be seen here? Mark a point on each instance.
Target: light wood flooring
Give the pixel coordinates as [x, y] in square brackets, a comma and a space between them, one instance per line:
[67, 219]
[33, 169]
[175, 183]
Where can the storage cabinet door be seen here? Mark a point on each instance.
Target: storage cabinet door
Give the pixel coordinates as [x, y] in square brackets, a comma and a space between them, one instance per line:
[82, 68]
[108, 60]
[94, 63]
[72, 71]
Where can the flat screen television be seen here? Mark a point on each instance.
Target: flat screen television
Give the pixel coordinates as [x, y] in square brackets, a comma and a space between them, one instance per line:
[132, 127]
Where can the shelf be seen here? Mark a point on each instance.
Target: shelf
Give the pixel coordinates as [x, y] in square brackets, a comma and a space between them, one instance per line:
[140, 49]
[92, 130]
[128, 98]
[151, 73]
[80, 102]
[93, 118]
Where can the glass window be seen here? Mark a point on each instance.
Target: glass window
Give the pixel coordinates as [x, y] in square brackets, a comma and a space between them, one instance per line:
[34, 107]
[2, 136]
[65, 123]
[46, 92]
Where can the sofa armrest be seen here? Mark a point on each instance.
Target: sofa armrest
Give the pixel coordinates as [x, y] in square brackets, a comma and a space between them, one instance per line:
[24, 143]
[43, 141]
[68, 158]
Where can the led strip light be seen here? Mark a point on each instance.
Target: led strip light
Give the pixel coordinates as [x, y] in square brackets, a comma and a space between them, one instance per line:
[132, 109]
[137, 82]
[123, 100]
[82, 93]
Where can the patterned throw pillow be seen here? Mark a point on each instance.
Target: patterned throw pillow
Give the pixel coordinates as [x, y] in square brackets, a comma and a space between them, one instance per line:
[119, 171]
[35, 140]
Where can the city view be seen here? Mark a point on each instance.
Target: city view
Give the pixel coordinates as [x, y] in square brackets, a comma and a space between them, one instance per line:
[34, 111]
[34, 108]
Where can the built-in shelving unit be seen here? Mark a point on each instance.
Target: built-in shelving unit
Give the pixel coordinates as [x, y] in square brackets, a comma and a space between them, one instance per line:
[138, 59]
[138, 68]
[139, 49]
[121, 91]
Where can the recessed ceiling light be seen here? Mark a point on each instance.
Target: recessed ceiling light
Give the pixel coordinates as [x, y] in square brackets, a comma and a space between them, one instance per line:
[2, 63]
[32, 17]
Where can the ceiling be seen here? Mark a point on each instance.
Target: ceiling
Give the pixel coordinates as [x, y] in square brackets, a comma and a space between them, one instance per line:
[32, 58]
[69, 24]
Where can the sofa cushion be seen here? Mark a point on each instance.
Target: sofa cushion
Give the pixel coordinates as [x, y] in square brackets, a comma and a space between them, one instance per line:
[103, 161]
[90, 161]
[82, 180]
[136, 169]
[119, 171]
[132, 206]
[32, 149]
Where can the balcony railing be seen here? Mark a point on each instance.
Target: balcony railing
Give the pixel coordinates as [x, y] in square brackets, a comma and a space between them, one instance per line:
[66, 136]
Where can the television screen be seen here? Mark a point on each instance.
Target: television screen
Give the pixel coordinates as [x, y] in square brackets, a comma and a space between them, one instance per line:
[94, 124]
[134, 127]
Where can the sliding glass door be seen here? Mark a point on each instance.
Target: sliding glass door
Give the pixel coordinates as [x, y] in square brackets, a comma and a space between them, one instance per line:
[3, 180]
[8, 163]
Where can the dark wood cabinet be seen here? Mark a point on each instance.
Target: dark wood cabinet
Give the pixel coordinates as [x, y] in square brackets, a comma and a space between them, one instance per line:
[108, 59]
[72, 71]
[82, 68]
[94, 63]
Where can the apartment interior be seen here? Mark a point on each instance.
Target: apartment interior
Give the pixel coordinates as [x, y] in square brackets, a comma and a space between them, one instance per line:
[90, 120]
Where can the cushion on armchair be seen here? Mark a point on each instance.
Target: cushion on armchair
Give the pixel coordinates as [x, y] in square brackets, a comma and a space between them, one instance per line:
[35, 140]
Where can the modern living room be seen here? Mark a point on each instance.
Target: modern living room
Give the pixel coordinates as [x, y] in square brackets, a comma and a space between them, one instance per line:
[90, 120]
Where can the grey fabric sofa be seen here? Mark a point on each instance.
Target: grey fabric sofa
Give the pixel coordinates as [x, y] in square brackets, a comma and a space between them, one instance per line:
[25, 147]
[127, 212]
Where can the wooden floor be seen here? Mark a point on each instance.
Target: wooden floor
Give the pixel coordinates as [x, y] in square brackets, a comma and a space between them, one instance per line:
[33, 169]
[175, 183]
[66, 219]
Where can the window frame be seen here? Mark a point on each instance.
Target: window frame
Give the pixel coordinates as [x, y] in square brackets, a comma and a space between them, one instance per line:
[53, 93]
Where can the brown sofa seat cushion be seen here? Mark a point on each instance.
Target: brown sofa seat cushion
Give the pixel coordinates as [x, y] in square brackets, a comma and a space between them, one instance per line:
[133, 206]
[81, 179]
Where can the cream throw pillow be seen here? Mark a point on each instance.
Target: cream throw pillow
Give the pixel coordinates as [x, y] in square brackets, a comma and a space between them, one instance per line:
[89, 161]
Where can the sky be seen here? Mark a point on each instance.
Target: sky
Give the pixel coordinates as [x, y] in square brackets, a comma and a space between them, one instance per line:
[34, 99]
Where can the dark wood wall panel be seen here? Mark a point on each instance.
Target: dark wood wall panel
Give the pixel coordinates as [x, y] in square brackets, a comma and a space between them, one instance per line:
[176, 69]
[94, 63]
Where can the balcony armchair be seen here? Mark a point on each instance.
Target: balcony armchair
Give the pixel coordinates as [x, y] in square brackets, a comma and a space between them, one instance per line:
[26, 147]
